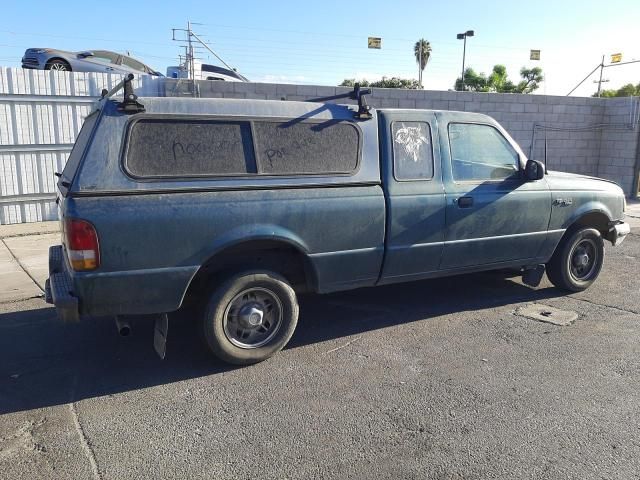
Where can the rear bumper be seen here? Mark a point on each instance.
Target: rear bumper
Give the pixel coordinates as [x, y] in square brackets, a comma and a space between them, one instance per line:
[59, 287]
[619, 232]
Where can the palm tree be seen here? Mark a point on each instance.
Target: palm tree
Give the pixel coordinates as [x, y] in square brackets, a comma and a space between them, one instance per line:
[422, 51]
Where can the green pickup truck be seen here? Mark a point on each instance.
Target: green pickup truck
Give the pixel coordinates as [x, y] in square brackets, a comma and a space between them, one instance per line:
[239, 205]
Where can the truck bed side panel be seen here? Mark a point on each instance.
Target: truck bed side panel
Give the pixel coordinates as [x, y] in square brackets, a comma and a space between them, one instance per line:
[152, 244]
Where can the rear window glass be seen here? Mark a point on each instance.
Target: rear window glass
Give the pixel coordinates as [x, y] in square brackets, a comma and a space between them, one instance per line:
[136, 65]
[159, 148]
[306, 148]
[187, 148]
[79, 146]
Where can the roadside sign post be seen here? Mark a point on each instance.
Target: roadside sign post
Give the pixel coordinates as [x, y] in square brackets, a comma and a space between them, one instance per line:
[374, 42]
[534, 55]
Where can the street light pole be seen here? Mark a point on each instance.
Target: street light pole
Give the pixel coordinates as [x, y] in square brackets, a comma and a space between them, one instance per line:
[463, 36]
[464, 54]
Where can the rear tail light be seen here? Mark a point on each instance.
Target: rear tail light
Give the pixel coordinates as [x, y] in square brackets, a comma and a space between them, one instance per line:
[82, 245]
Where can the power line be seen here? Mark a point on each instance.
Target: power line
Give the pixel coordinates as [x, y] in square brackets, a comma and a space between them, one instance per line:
[244, 39]
[325, 34]
[74, 37]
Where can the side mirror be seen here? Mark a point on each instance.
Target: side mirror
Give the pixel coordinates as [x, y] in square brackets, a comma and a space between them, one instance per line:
[85, 54]
[534, 170]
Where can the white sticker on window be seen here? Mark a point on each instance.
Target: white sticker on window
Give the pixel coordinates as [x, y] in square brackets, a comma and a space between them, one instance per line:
[411, 140]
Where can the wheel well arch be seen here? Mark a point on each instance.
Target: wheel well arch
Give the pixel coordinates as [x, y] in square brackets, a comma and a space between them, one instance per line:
[278, 255]
[592, 219]
[59, 59]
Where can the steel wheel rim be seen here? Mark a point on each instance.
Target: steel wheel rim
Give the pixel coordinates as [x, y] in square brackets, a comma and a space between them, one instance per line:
[583, 260]
[252, 318]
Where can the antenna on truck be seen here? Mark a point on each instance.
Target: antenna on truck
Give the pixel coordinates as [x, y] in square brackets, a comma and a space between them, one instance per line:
[545, 152]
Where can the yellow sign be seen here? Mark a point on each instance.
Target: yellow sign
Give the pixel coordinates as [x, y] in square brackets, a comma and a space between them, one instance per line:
[616, 58]
[534, 55]
[375, 42]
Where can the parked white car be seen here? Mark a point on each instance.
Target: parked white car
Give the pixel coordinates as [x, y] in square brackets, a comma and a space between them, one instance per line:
[203, 71]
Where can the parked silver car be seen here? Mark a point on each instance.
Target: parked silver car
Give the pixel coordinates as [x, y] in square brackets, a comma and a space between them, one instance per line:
[87, 61]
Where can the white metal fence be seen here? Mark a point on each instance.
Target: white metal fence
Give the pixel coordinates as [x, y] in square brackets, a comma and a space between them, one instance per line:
[41, 113]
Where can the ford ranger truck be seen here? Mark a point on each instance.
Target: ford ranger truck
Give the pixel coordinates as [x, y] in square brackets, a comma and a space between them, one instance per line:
[239, 205]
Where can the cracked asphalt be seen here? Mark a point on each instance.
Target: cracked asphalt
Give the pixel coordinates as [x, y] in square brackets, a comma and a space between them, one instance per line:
[436, 379]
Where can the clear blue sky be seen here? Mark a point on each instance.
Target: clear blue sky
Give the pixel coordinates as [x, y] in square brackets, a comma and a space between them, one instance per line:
[323, 42]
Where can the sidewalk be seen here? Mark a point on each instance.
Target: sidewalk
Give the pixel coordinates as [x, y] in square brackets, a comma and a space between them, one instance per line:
[24, 259]
[633, 208]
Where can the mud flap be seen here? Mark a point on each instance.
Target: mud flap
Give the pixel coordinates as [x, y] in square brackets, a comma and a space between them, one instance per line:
[160, 335]
[532, 275]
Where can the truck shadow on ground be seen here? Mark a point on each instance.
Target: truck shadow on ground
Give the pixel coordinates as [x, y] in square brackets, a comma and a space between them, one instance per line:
[46, 363]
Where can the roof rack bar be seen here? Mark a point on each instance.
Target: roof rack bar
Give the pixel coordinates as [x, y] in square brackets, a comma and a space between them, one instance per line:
[358, 94]
[129, 103]
[109, 93]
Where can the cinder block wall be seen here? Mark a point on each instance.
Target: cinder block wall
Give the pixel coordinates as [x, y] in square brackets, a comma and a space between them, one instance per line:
[591, 136]
[41, 113]
[620, 146]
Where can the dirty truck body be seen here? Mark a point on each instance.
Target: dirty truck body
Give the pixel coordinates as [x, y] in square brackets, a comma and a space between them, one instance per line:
[175, 203]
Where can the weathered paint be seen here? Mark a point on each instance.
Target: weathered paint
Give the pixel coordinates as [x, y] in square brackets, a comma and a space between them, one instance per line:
[355, 230]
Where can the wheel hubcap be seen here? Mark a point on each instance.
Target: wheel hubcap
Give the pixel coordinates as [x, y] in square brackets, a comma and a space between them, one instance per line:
[253, 317]
[584, 257]
[250, 316]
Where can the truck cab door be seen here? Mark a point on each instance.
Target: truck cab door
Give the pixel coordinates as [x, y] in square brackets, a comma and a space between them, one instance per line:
[493, 214]
[414, 193]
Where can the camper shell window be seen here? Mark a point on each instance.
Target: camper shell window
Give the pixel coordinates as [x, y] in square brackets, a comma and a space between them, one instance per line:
[178, 148]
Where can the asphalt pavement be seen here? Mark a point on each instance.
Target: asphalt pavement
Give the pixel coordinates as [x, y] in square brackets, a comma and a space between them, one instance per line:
[442, 379]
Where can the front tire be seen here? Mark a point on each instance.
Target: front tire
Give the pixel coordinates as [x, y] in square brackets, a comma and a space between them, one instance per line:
[577, 261]
[250, 317]
[58, 65]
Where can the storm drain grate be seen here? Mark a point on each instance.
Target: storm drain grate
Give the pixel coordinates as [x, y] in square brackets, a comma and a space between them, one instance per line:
[547, 314]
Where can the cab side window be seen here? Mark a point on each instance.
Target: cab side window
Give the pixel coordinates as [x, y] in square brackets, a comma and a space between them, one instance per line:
[412, 151]
[481, 153]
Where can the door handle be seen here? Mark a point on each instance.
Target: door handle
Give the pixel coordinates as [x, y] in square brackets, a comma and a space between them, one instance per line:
[464, 202]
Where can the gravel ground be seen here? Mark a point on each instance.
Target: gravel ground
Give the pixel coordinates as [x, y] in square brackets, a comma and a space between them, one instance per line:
[436, 379]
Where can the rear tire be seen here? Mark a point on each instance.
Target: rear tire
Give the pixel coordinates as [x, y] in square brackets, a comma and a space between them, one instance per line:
[250, 317]
[58, 65]
[577, 261]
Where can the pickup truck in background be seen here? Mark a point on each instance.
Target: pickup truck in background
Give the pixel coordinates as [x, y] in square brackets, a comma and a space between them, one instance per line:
[242, 204]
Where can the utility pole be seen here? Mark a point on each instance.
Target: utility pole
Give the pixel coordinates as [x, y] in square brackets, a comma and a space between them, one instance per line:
[190, 43]
[602, 66]
[600, 81]
[187, 64]
[190, 65]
